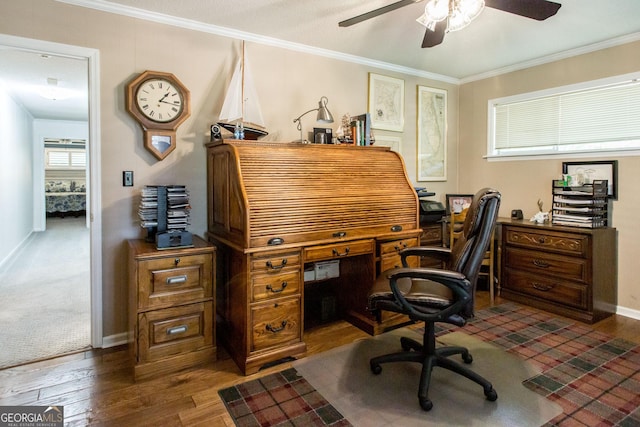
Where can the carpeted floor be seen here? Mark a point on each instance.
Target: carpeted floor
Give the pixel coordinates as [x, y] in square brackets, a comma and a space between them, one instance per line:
[45, 293]
[594, 378]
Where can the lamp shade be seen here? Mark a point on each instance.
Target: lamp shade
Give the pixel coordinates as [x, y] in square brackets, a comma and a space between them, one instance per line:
[324, 115]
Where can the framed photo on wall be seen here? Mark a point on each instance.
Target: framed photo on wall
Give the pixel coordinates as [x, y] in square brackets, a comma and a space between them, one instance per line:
[386, 102]
[432, 134]
[586, 172]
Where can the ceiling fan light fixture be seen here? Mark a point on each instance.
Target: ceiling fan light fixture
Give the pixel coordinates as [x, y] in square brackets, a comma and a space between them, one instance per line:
[460, 13]
[463, 12]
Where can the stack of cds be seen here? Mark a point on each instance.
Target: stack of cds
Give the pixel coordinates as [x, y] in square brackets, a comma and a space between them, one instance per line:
[165, 212]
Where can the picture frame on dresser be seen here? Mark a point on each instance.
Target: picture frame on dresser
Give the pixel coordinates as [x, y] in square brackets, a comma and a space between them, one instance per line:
[457, 202]
[599, 169]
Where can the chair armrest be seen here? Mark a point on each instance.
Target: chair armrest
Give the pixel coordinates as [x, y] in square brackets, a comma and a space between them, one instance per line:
[456, 282]
[438, 252]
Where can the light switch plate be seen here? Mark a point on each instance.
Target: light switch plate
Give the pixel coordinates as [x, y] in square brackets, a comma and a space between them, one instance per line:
[127, 178]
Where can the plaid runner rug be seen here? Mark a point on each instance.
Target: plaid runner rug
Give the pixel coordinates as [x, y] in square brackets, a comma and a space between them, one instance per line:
[595, 378]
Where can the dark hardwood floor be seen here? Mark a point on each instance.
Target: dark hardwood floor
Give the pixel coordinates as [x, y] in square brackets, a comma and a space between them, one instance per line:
[96, 387]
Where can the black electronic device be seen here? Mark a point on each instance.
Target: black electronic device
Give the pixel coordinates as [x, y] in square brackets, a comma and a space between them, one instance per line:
[516, 214]
[430, 210]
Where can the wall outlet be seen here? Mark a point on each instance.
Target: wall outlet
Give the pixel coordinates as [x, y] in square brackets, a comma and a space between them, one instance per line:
[127, 178]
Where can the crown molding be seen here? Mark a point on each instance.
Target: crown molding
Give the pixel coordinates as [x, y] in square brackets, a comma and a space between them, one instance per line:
[555, 57]
[133, 12]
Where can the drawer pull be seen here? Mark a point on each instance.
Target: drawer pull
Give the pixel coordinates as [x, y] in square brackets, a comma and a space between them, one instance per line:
[177, 330]
[277, 291]
[541, 240]
[345, 253]
[276, 330]
[277, 267]
[176, 261]
[400, 246]
[540, 263]
[176, 280]
[541, 287]
[340, 234]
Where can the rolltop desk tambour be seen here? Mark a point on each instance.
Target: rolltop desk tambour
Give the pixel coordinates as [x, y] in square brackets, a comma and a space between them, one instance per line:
[276, 208]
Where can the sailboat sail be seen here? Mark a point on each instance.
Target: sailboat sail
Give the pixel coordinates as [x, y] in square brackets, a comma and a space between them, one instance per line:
[241, 102]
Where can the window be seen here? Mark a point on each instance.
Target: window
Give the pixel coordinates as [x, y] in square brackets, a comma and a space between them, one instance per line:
[65, 159]
[593, 117]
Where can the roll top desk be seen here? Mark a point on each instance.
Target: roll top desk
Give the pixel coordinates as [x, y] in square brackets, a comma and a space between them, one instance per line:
[276, 208]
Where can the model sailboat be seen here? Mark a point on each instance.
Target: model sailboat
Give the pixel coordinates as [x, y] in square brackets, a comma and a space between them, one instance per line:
[241, 109]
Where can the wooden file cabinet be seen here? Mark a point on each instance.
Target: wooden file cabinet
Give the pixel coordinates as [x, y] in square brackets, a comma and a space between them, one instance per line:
[566, 270]
[171, 309]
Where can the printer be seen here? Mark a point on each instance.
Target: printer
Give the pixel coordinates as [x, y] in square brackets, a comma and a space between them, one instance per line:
[430, 210]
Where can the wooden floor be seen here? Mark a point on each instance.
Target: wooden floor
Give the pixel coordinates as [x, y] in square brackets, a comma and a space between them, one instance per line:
[96, 387]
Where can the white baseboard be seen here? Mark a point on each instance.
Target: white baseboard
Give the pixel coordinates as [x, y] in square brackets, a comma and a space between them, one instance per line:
[115, 340]
[628, 312]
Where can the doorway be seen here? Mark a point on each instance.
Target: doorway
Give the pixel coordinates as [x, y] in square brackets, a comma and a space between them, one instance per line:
[29, 216]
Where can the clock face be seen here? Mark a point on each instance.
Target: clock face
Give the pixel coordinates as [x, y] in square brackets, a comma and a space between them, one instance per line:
[159, 100]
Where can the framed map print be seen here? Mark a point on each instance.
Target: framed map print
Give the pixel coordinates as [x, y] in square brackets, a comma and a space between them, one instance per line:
[393, 142]
[386, 102]
[432, 134]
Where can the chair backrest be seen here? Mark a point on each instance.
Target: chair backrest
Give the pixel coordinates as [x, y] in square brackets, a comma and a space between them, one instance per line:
[471, 245]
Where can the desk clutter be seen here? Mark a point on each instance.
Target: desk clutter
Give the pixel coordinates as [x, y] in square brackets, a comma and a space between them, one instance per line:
[586, 205]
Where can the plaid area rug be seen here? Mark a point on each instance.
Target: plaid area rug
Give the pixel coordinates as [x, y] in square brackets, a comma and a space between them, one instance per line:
[595, 378]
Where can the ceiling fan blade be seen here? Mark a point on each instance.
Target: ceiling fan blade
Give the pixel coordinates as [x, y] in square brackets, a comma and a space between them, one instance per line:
[534, 9]
[376, 12]
[435, 37]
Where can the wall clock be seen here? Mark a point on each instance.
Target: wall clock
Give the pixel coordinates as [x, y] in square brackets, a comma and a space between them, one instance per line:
[160, 103]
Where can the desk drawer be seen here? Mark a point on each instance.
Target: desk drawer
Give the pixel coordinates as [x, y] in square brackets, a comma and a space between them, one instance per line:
[275, 263]
[338, 250]
[176, 330]
[275, 324]
[547, 288]
[570, 244]
[396, 246]
[174, 280]
[265, 286]
[548, 264]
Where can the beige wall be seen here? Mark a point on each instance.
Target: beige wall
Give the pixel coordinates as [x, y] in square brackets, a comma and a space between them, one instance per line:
[288, 83]
[523, 182]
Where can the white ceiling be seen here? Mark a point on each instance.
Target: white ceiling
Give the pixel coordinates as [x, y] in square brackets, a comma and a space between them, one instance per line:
[496, 41]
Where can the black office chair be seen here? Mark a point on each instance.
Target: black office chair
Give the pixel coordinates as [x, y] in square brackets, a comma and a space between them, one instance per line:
[433, 295]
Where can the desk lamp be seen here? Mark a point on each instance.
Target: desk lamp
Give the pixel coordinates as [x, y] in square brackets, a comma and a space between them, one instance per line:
[324, 115]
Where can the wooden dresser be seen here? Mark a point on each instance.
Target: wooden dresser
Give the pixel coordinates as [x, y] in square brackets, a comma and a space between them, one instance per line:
[171, 294]
[570, 271]
[280, 211]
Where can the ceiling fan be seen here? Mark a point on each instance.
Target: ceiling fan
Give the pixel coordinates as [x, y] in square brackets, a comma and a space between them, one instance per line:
[442, 16]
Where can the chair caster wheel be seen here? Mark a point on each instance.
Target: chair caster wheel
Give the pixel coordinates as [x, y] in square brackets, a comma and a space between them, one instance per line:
[467, 358]
[376, 369]
[491, 394]
[404, 343]
[426, 404]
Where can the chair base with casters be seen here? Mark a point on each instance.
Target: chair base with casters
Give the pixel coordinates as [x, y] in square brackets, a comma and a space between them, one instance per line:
[429, 356]
[439, 295]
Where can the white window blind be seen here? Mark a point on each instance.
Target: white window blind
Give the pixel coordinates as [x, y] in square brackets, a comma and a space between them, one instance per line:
[65, 159]
[593, 119]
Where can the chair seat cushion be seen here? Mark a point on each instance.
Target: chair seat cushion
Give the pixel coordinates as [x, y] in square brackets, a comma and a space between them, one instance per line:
[420, 292]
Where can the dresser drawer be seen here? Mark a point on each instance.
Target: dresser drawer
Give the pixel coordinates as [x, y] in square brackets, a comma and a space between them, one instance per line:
[396, 246]
[431, 235]
[570, 244]
[541, 263]
[275, 263]
[547, 288]
[265, 286]
[338, 250]
[275, 324]
[174, 280]
[176, 330]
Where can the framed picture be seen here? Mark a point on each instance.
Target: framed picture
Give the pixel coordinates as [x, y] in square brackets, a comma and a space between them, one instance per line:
[386, 102]
[586, 172]
[432, 134]
[457, 202]
[392, 142]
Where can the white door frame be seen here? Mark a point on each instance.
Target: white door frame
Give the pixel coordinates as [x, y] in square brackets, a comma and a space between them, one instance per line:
[93, 193]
